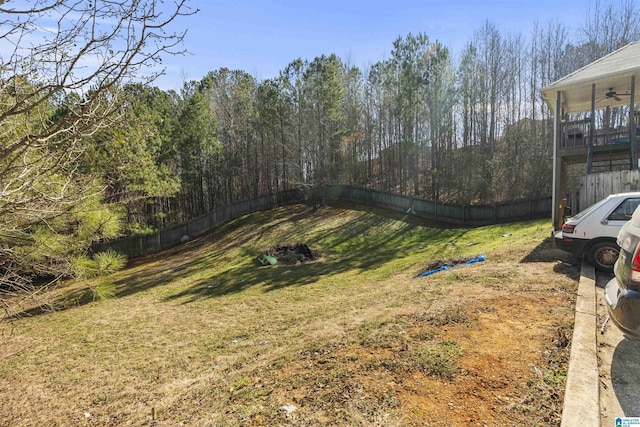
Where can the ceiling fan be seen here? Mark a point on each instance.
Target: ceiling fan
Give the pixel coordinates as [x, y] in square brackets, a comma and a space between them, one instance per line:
[613, 94]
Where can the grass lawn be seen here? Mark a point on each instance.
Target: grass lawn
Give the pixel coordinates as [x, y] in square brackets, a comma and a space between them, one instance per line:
[202, 335]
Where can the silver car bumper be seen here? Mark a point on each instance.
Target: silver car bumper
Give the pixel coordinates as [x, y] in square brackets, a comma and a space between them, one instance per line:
[624, 308]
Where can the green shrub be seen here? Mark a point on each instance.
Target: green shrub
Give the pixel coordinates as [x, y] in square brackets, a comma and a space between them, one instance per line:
[109, 262]
[103, 263]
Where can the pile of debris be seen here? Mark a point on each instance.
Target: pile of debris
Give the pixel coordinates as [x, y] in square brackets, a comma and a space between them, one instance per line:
[288, 254]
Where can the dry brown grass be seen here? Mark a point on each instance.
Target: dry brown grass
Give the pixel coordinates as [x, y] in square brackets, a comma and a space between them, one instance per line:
[200, 336]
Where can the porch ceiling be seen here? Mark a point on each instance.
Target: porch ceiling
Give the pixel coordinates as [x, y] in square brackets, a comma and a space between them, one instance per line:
[611, 72]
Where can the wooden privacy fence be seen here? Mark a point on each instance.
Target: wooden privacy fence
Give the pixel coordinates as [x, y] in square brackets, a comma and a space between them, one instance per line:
[466, 216]
[136, 246]
[596, 186]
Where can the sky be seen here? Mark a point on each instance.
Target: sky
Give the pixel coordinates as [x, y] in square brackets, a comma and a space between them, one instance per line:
[262, 37]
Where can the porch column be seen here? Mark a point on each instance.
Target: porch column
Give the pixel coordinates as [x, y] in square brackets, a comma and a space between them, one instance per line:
[557, 208]
[592, 128]
[632, 125]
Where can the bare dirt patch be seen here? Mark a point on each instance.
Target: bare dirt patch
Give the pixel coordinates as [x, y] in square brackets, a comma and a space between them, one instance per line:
[486, 368]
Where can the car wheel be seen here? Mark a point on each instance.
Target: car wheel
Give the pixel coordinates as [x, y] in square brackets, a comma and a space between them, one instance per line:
[603, 255]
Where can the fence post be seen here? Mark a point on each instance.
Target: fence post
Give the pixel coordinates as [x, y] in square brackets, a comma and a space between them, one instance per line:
[435, 209]
[464, 217]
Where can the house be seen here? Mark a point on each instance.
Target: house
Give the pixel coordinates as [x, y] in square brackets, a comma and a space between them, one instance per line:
[577, 101]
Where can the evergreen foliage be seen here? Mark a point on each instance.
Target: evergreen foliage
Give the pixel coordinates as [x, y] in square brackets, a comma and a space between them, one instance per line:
[65, 150]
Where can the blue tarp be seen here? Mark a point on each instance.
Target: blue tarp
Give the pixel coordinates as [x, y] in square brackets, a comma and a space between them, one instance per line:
[479, 258]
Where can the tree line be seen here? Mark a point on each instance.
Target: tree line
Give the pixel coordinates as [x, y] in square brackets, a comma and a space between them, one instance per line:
[466, 129]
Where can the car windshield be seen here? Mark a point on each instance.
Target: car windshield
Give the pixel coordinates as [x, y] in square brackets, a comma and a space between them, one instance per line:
[589, 209]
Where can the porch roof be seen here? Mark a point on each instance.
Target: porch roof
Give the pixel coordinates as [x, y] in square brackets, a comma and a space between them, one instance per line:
[611, 73]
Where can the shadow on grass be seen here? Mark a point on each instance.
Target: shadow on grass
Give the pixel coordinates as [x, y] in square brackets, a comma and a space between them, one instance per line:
[566, 263]
[38, 310]
[176, 263]
[223, 261]
[355, 245]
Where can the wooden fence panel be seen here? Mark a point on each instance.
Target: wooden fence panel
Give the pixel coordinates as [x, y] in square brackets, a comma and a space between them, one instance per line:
[200, 225]
[447, 214]
[597, 186]
[170, 236]
[450, 214]
[424, 208]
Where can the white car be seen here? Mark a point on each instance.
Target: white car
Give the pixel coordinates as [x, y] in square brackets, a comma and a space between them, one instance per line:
[592, 232]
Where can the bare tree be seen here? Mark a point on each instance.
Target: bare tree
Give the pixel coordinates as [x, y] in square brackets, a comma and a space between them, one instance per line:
[609, 27]
[61, 65]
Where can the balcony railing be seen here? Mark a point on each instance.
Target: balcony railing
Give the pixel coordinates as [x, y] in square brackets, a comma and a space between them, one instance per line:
[575, 134]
